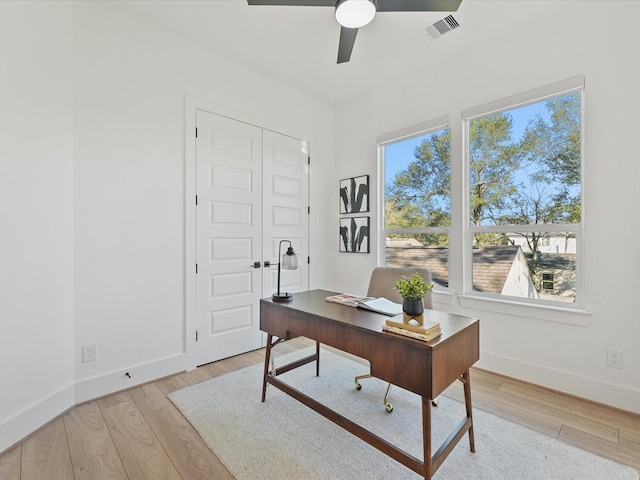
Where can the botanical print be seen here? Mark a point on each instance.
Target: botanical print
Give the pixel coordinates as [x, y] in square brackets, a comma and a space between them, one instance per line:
[354, 234]
[354, 194]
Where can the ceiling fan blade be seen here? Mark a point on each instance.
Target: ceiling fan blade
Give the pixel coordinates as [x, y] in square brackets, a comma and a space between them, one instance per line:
[295, 3]
[417, 5]
[347, 39]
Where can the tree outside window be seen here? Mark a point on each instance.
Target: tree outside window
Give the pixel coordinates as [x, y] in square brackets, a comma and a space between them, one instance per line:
[525, 168]
[524, 199]
[418, 203]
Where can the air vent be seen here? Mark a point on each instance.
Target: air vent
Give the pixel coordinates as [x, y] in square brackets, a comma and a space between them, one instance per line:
[441, 27]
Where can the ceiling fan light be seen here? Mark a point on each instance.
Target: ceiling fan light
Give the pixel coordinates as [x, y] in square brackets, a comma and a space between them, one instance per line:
[355, 13]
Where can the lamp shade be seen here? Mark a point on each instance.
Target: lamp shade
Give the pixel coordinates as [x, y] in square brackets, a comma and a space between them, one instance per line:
[290, 259]
[355, 13]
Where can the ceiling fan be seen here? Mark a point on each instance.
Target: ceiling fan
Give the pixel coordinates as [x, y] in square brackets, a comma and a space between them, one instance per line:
[353, 14]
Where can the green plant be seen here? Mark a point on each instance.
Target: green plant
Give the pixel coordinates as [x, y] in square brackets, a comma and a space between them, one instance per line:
[413, 287]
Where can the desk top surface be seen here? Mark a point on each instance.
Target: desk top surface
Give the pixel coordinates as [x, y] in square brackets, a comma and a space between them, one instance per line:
[313, 303]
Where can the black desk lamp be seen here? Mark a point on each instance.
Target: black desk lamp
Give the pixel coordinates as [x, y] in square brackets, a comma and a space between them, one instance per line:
[289, 262]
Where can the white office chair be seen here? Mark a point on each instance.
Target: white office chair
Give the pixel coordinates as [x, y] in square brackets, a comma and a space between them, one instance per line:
[382, 284]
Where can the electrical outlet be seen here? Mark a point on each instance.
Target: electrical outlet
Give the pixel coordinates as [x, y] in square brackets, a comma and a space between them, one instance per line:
[614, 358]
[89, 353]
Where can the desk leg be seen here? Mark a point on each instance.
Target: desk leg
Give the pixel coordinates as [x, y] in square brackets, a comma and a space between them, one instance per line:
[267, 357]
[426, 436]
[467, 403]
[317, 359]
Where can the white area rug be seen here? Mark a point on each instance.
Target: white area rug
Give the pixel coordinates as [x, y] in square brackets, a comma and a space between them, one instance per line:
[282, 439]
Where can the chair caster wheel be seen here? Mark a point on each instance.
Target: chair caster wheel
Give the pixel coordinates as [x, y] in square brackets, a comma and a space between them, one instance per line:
[388, 407]
[434, 402]
[358, 386]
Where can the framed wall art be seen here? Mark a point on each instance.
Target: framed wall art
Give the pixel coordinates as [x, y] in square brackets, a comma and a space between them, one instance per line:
[354, 194]
[354, 235]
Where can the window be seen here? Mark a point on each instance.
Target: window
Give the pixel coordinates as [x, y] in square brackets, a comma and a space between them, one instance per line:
[417, 209]
[525, 198]
[547, 281]
[513, 230]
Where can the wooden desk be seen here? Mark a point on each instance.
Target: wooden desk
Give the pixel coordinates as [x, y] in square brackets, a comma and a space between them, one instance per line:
[425, 368]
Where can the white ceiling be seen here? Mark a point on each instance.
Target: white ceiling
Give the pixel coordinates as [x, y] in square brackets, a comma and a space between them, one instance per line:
[298, 45]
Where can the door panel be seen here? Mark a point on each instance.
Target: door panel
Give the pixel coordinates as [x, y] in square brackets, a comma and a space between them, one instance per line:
[285, 215]
[228, 236]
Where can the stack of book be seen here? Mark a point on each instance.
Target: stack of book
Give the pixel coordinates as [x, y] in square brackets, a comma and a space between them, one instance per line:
[426, 332]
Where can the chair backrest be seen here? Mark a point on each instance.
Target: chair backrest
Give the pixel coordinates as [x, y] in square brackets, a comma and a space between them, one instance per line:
[383, 281]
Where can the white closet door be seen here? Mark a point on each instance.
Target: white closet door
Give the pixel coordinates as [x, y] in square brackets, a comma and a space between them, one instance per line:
[228, 236]
[285, 214]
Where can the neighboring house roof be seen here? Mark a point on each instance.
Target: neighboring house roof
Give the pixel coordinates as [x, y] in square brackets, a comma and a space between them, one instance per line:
[557, 261]
[403, 242]
[492, 264]
[434, 259]
[491, 267]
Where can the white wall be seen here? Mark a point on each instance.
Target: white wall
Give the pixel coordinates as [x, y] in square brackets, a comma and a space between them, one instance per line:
[131, 84]
[92, 122]
[560, 45]
[36, 215]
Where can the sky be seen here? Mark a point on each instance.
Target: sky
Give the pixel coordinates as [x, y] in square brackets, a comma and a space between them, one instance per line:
[399, 155]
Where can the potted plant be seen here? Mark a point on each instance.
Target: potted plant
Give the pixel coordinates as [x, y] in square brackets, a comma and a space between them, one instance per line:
[413, 289]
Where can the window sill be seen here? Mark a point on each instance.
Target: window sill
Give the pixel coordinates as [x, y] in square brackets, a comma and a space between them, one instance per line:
[571, 316]
[443, 297]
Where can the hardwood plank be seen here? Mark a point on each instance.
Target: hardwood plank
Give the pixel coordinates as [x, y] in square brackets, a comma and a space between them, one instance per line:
[10, 464]
[171, 384]
[255, 356]
[485, 378]
[592, 443]
[139, 449]
[191, 456]
[505, 410]
[630, 442]
[215, 369]
[114, 399]
[247, 360]
[576, 406]
[546, 405]
[149, 398]
[93, 453]
[195, 376]
[45, 455]
[480, 383]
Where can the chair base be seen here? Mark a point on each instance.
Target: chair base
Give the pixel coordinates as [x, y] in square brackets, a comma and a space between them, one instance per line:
[385, 400]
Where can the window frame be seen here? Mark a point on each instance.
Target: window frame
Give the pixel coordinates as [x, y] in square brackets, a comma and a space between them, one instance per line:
[541, 94]
[460, 292]
[418, 130]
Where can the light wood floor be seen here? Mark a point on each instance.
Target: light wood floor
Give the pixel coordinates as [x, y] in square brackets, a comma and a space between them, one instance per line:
[139, 434]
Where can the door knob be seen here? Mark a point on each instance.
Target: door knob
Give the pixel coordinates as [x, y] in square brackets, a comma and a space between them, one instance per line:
[256, 265]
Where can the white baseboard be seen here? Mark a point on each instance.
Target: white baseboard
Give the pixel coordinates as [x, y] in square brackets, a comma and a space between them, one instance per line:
[96, 387]
[592, 389]
[17, 428]
[35, 416]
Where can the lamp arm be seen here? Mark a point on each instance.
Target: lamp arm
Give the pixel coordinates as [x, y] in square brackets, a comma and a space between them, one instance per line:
[279, 261]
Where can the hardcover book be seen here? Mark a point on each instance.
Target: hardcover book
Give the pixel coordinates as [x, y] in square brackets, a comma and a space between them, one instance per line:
[378, 305]
[408, 333]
